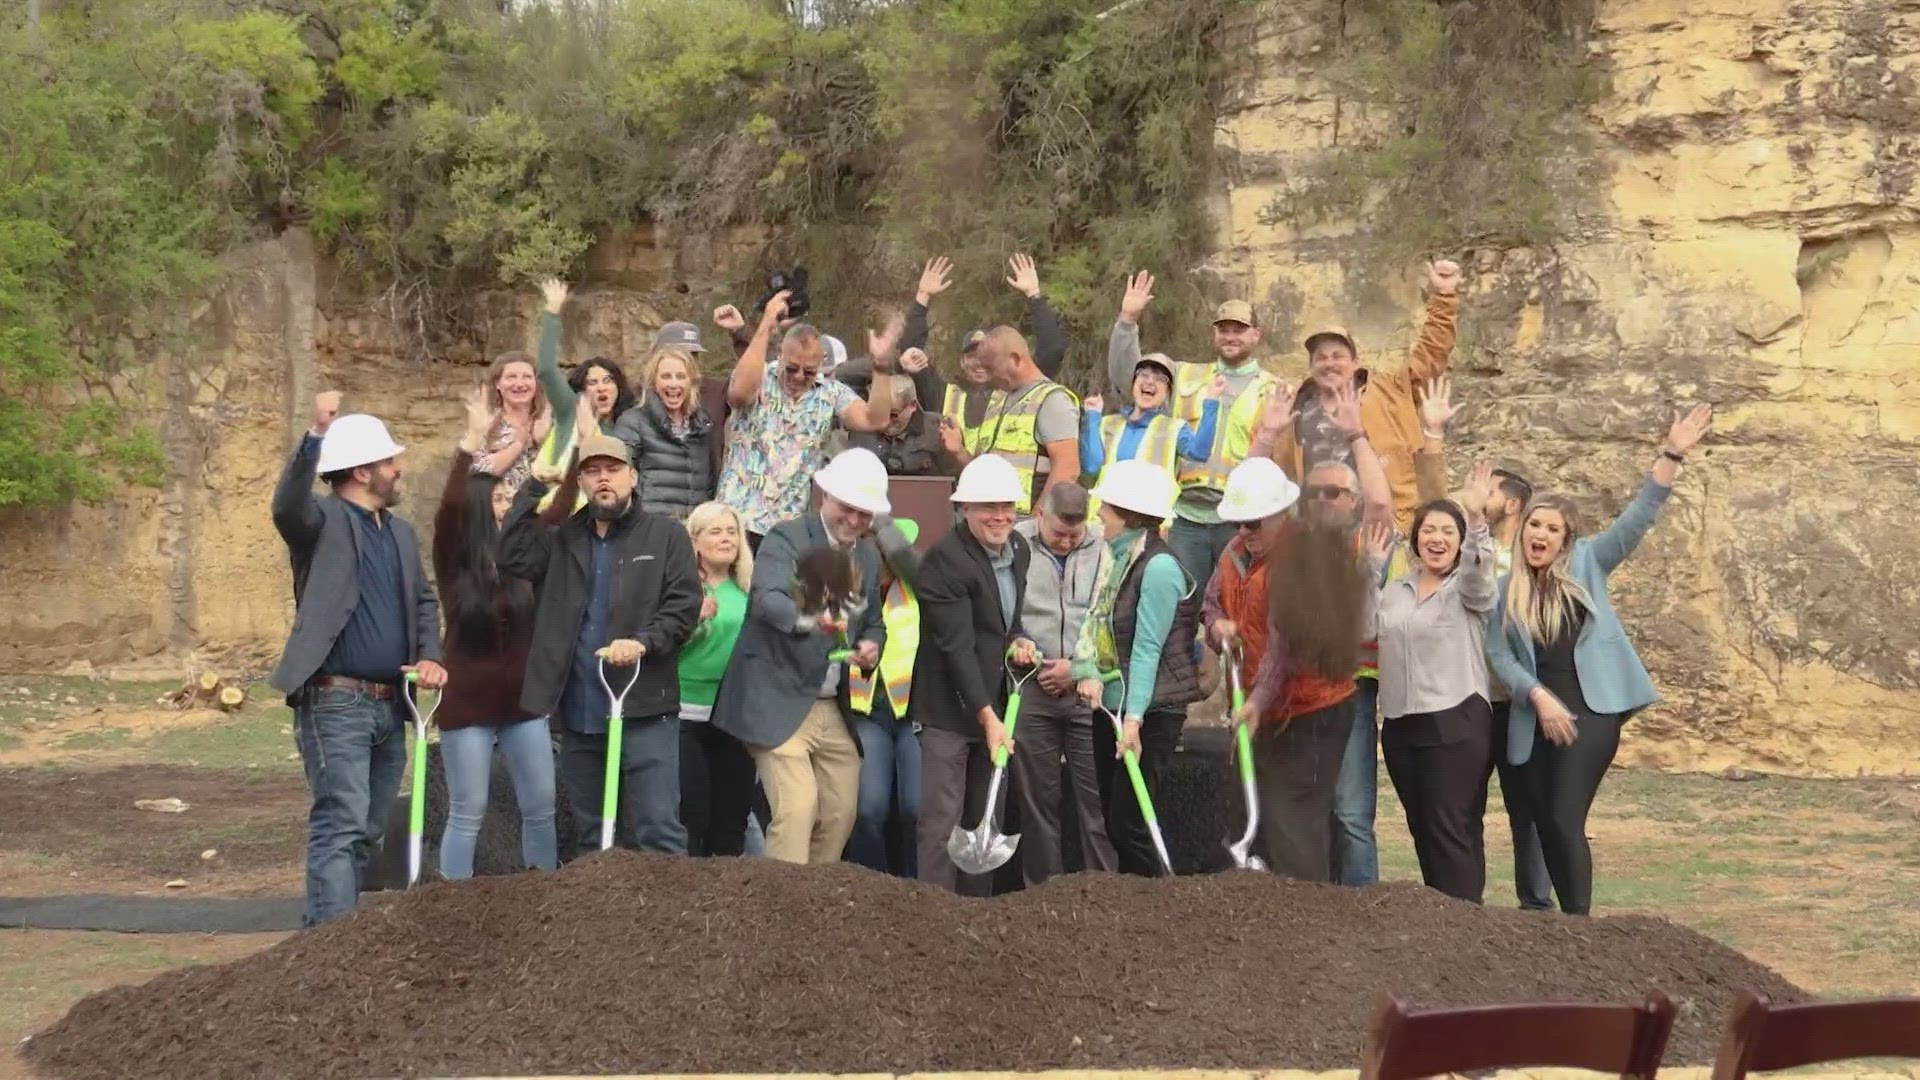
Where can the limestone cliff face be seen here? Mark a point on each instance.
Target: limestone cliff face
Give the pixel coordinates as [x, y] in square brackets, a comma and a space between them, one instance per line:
[1755, 245]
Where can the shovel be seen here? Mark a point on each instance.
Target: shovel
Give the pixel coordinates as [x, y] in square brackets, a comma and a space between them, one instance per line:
[1242, 849]
[984, 849]
[1139, 782]
[616, 730]
[417, 811]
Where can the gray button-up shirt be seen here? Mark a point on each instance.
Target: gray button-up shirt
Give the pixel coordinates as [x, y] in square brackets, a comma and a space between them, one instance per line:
[1433, 651]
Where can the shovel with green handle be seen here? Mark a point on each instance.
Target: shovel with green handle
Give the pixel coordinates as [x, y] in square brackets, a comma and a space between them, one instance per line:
[1242, 849]
[417, 810]
[1139, 782]
[983, 848]
[616, 731]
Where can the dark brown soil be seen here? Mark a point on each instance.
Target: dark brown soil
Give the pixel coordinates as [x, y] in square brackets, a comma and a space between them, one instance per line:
[631, 963]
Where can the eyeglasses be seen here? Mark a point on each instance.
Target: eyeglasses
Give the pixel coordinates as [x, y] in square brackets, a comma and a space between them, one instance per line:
[1329, 492]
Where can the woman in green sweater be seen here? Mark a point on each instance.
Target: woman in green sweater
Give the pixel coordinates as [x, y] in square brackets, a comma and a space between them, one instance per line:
[716, 772]
[1144, 615]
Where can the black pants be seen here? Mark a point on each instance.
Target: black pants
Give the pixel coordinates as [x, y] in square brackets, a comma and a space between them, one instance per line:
[1561, 783]
[753, 541]
[1531, 885]
[1126, 828]
[716, 790]
[1439, 762]
[1057, 776]
[1297, 767]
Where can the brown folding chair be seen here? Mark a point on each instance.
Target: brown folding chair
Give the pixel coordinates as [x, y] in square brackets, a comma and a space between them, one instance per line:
[1628, 1040]
[1761, 1038]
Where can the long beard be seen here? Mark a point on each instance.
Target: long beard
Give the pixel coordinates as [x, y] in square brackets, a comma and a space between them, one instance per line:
[1316, 596]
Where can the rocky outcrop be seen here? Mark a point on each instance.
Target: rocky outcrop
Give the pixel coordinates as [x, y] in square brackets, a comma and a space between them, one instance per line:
[1754, 242]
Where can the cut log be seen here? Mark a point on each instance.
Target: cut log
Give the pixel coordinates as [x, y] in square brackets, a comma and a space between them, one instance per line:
[231, 698]
[208, 682]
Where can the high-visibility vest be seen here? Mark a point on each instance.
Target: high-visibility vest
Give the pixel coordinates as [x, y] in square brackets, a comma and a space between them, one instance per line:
[1190, 382]
[955, 408]
[1160, 444]
[556, 451]
[1015, 435]
[901, 613]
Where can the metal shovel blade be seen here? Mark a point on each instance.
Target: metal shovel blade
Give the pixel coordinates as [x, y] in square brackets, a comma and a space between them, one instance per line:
[1243, 857]
[983, 848]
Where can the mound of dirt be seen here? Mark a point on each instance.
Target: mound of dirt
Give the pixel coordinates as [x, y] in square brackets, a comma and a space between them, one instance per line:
[634, 963]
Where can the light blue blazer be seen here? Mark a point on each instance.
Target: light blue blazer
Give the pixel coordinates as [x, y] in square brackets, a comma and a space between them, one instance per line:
[1612, 678]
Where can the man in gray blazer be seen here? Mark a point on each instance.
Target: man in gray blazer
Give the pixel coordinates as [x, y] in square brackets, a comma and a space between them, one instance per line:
[365, 615]
[780, 693]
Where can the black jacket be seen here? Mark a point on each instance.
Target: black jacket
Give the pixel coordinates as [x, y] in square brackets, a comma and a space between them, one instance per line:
[961, 667]
[656, 597]
[917, 452]
[676, 473]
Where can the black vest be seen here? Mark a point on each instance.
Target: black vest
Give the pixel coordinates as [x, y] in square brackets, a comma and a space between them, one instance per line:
[1178, 681]
[676, 474]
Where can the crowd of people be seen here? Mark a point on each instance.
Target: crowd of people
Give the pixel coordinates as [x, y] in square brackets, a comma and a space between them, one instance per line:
[803, 681]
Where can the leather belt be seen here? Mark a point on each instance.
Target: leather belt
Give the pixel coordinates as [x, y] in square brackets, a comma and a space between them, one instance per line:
[379, 691]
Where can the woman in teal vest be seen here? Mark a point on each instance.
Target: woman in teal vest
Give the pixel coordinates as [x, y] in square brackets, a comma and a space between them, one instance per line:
[1148, 430]
[1143, 620]
[889, 741]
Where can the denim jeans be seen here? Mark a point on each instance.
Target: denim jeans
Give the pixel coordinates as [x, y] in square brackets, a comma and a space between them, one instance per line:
[1199, 547]
[1356, 859]
[467, 756]
[648, 817]
[889, 784]
[354, 751]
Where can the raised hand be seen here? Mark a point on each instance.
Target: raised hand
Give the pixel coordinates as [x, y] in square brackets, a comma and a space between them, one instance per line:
[548, 473]
[1024, 276]
[950, 435]
[913, 361]
[1443, 277]
[881, 344]
[1480, 486]
[1217, 389]
[1689, 428]
[326, 406]
[1344, 412]
[1276, 413]
[585, 424]
[555, 292]
[776, 309]
[728, 318]
[1376, 541]
[935, 278]
[1094, 403]
[1437, 407]
[480, 420]
[1139, 294]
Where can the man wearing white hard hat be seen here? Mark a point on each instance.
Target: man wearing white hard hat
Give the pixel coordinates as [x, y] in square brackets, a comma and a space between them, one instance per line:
[365, 615]
[780, 693]
[1258, 500]
[1135, 655]
[971, 584]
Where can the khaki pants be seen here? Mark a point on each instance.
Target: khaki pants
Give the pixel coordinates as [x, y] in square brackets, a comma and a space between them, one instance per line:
[812, 783]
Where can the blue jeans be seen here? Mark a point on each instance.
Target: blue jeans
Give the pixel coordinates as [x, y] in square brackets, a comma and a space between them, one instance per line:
[1199, 547]
[649, 810]
[1356, 859]
[354, 750]
[467, 756]
[889, 770]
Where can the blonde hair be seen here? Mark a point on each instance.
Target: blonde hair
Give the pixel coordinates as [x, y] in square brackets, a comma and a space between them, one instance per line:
[652, 368]
[1539, 599]
[709, 514]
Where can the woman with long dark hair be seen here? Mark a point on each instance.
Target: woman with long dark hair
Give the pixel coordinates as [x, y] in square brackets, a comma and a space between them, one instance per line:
[489, 630]
[1557, 645]
[1437, 735]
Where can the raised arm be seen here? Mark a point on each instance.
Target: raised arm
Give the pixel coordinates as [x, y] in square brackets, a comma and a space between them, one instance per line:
[1123, 342]
[561, 396]
[750, 371]
[296, 513]
[1093, 451]
[1432, 350]
[928, 386]
[1430, 461]
[876, 412]
[1261, 434]
[1613, 546]
[935, 278]
[1476, 571]
[526, 540]
[1376, 494]
[1196, 443]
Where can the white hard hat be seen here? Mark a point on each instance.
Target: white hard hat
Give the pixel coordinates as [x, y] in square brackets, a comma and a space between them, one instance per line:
[355, 440]
[1137, 485]
[1257, 488]
[989, 478]
[836, 351]
[856, 477]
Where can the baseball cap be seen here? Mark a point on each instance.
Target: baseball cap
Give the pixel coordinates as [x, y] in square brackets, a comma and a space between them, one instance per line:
[1159, 362]
[594, 446]
[1235, 311]
[1332, 331]
[679, 335]
[971, 340]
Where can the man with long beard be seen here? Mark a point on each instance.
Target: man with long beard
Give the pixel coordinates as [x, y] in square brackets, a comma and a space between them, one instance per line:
[613, 582]
[1318, 594]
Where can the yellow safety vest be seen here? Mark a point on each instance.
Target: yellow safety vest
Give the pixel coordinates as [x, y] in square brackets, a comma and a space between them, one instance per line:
[1190, 382]
[1160, 444]
[1016, 438]
[556, 451]
[901, 613]
[955, 407]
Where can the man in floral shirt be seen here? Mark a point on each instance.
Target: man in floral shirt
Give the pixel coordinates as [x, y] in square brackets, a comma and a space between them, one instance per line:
[783, 413]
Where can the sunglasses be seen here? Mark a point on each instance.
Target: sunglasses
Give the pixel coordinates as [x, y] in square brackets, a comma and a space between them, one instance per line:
[1329, 492]
[1247, 526]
